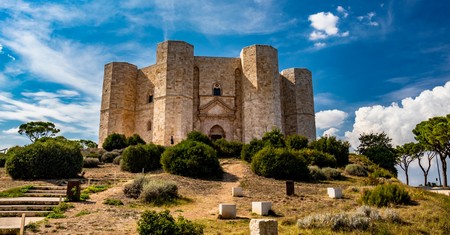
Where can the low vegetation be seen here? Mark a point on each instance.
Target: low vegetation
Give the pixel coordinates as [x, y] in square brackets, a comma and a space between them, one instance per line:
[138, 158]
[15, 192]
[154, 191]
[152, 222]
[113, 202]
[386, 195]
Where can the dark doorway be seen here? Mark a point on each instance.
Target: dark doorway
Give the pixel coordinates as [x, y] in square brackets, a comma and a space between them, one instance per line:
[216, 133]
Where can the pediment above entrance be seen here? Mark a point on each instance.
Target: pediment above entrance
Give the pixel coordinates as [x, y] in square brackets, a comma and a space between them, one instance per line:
[216, 108]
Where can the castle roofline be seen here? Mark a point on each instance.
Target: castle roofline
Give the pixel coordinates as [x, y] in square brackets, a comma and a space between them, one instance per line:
[175, 41]
[259, 45]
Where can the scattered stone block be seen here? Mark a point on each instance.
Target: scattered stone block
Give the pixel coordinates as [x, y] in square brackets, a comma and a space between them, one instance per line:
[237, 192]
[261, 208]
[227, 211]
[290, 189]
[334, 192]
[263, 227]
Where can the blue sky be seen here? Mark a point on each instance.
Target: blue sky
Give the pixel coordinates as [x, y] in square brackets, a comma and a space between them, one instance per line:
[377, 65]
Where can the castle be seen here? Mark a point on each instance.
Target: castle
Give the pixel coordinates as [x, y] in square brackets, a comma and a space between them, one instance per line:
[232, 98]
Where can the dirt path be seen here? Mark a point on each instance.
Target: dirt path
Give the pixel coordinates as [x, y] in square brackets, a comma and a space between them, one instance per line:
[208, 207]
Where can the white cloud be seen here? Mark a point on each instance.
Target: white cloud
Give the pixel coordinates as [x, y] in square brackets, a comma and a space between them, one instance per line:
[330, 118]
[368, 19]
[342, 10]
[345, 34]
[319, 44]
[331, 132]
[398, 121]
[317, 35]
[324, 22]
[11, 131]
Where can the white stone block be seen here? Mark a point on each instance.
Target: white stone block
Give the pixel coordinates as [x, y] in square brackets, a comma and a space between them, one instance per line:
[334, 192]
[237, 192]
[263, 227]
[261, 208]
[227, 211]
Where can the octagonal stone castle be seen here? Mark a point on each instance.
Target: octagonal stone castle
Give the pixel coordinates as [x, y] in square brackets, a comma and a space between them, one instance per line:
[232, 98]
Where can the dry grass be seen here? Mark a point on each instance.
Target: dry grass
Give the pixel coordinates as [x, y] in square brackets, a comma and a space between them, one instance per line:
[429, 215]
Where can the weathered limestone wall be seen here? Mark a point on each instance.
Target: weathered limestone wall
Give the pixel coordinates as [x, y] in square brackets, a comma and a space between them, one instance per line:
[299, 115]
[261, 109]
[117, 113]
[217, 110]
[177, 99]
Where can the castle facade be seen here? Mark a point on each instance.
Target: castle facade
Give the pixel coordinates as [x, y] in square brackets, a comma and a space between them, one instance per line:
[232, 98]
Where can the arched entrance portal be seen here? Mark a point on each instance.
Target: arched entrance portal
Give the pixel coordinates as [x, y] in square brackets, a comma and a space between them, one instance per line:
[216, 133]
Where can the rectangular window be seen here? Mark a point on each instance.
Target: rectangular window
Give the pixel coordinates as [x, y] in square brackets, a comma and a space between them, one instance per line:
[150, 99]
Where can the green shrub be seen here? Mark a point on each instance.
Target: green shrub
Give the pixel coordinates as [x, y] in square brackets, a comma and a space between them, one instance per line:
[379, 172]
[162, 223]
[115, 141]
[135, 139]
[159, 192]
[331, 173]
[249, 150]
[274, 138]
[338, 148]
[109, 157]
[138, 157]
[317, 158]
[90, 162]
[192, 159]
[134, 188]
[279, 164]
[117, 160]
[316, 173]
[356, 170]
[199, 137]
[112, 202]
[296, 142]
[386, 195]
[53, 158]
[3, 159]
[94, 155]
[228, 148]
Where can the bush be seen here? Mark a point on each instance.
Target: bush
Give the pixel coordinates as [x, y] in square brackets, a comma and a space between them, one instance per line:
[331, 173]
[296, 142]
[385, 195]
[159, 192]
[318, 158]
[109, 157]
[199, 137]
[134, 189]
[115, 141]
[135, 139]
[356, 170]
[249, 150]
[90, 162]
[53, 158]
[338, 148]
[3, 159]
[138, 157]
[316, 173]
[279, 164]
[94, 155]
[274, 138]
[162, 223]
[117, 160]
[228, 148]
[379, 172]
[192, 159]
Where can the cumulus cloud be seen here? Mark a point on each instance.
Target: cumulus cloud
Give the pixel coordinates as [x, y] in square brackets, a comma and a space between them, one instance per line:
[398, 121]
[342, 11]
[330, 118]
[331, 132]
[325, 23]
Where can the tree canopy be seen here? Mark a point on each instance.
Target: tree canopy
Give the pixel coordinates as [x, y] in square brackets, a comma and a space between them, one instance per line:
[406, 154]
[434, 134]
[378, 148]
[39, 129]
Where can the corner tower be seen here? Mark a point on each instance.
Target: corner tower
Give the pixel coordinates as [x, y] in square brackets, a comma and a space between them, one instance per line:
[298, 103]
[117, 113]
[173, 97]
[261, 104]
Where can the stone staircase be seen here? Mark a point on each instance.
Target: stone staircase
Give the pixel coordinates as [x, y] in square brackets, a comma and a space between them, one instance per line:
[37, 203]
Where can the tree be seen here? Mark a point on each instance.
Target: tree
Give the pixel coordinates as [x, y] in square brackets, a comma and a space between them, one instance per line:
[406, 154]
[434, 134]
[115, 141]
[87, 144]
[36, 130]
[333, 146]
[429, 155]
[378, 148]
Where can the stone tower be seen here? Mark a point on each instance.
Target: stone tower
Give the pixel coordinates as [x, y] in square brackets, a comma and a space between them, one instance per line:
[232, 98]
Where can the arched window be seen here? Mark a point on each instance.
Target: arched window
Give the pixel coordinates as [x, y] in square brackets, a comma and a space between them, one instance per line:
[217, 91]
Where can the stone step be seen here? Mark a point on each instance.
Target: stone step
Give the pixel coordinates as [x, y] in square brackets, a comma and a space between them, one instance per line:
[45, 195]
[11, 225]
[46, 191]
[48, 187]
[26, 207]
[27, 213]
[30, 201]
